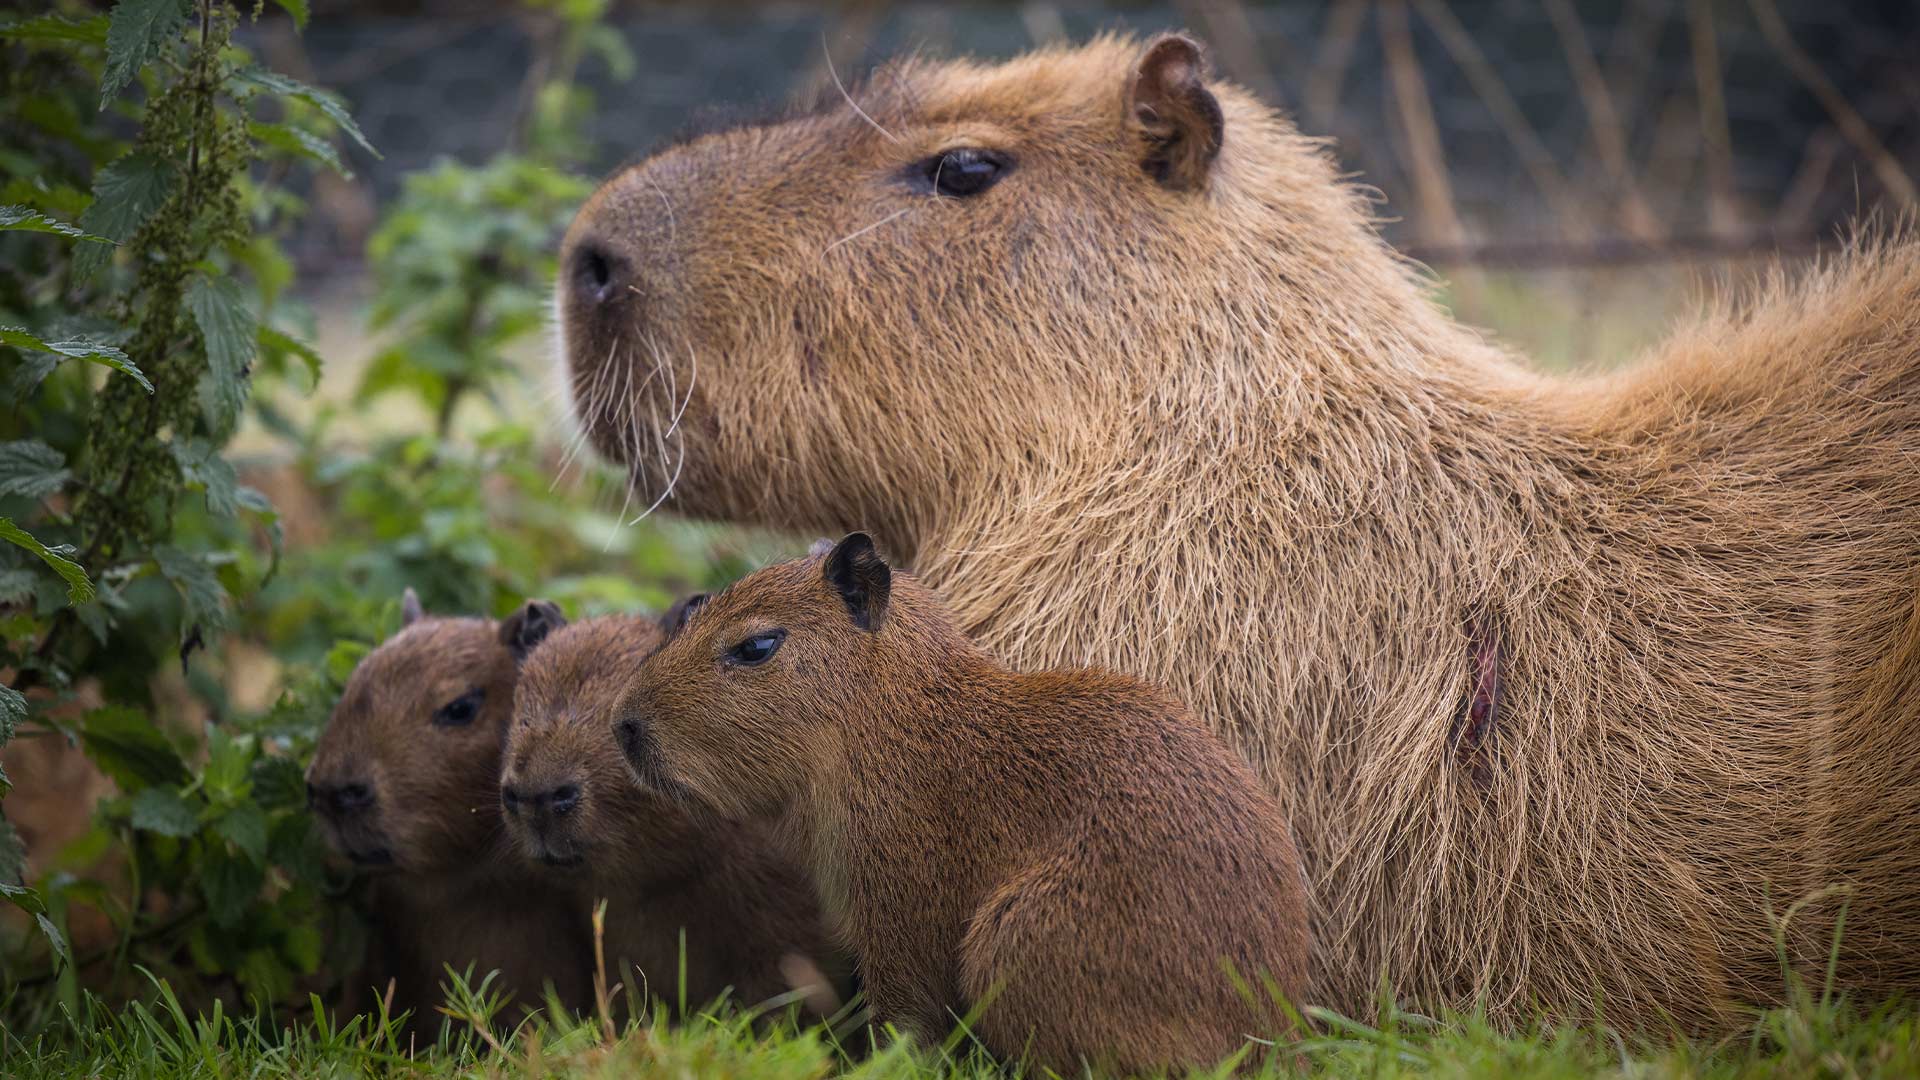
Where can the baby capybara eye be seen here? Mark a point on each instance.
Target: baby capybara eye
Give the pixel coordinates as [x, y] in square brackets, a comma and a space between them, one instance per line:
[960, 173]
[757, 649]
[461, 710]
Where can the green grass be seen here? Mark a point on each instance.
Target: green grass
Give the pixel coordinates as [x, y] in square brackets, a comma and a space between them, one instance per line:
[157, 1038]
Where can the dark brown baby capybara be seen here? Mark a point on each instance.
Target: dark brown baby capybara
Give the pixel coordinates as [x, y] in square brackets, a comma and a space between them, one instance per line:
[1070, 852]
[405, 782]
[749, 918]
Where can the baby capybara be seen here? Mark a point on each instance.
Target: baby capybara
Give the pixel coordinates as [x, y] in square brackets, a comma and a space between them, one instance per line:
[404, 783]
[1070, 853]
[748, 915]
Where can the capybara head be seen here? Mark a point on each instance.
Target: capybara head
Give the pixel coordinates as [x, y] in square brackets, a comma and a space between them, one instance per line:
[752, 695]
[405, 772]
[792, 321]
[567, 796]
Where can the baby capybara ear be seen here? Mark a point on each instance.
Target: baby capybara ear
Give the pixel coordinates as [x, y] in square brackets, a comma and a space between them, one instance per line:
[676, 617]
[1178, 118]
[861, 577]
[410, 610]
[529, 626]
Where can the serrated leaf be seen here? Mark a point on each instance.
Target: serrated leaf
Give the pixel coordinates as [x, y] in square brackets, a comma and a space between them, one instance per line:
[297, 9]
[331, 105]
[13, 709]
[79, 589]
[90, 351]
[13, 860]
[57, 28]
[126, 746]
[279, 783]
[27, 219]
[135, 33]
[16, 584]
[246, 826]
[31, 469]
[202, 466]
[126, 194]
[54, 940]
[220, 309]
[229, 884]
[299, 142]
[282, 341]
[162, 810]
[22, 897]
[203, 597]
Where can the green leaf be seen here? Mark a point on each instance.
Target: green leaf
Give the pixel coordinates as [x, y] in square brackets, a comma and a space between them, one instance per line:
[205, 599]
[279, 783]
[162, 810]
[331, 105]
[297, 9]
[90, 351]
[229, 884]
[220, 309]
[58, 943]
[31, 469]
[258, 504]
[58, 28]
[27, 219]
[79, 589]
[19, 895]
[13, 862]
[126, 193]
[202, 466]
[226, 777]
[281, 341]
[300, 143]
[126, 746]
[136, 33]
[13, 709]
[246, 826]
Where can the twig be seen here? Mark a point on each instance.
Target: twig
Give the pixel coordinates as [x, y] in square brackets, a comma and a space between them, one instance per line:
[1506, 111]
[1603, 122]
[1715, 140]
[1891, 175]
[1750, 243]
[1335, 53]
[1439, 224]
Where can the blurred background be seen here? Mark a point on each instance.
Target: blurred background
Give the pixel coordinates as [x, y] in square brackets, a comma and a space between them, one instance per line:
[1577, 174]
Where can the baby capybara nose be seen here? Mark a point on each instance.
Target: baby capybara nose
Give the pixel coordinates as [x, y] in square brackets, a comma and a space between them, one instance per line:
[339, 800]
[599, 274]
[559, 800]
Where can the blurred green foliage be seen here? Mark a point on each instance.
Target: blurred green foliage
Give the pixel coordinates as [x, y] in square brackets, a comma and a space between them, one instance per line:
[157, 587]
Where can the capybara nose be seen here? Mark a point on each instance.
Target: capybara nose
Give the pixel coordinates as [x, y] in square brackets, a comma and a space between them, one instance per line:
[339, 800]
[599, 274]
[556, 800]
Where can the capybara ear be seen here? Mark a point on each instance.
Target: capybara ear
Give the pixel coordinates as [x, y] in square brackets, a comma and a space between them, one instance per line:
[410, 610]
[862, 578]
[1178, 118]
[529, 626]
[676, 617]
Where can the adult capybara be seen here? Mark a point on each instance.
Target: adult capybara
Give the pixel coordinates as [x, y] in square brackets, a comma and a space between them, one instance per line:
[745, 915]
[1068, 860]
[1571, 685]
[404, 781]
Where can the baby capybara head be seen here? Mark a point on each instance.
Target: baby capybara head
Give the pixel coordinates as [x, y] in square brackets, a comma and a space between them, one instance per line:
[565, 791]
[762, 682]
[784, 320]
[404, 774]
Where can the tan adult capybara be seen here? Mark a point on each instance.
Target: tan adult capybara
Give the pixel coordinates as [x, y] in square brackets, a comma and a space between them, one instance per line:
[1068, 860]
[404, 781]
[747, 917]
[1571, 685]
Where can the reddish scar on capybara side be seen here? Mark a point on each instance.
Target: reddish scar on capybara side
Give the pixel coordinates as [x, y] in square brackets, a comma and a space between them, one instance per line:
[404, 783]
[1572, 685]
[1068, 860]
[746, 916]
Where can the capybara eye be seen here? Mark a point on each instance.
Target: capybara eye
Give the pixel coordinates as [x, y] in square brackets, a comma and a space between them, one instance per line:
[461, 710]
[960, 173]
[757, 649]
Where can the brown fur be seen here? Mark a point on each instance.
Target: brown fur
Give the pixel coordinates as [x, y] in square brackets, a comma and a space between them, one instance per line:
[1222, 439]
[1069, 853]
[744, 910]
[451, 888]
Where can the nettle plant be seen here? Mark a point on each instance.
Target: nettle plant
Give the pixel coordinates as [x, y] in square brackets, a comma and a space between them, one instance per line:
[141, 302]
